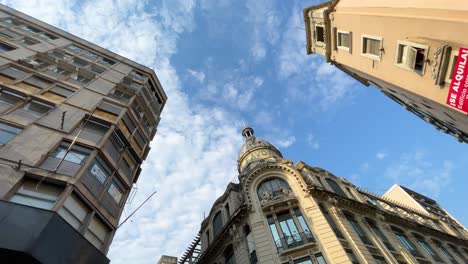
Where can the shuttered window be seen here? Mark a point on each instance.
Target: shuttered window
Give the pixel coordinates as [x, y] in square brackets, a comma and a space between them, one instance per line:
[40, 195]
[74, 211]
[97, 233]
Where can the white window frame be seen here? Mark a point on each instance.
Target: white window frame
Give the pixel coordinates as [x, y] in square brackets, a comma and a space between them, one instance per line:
[368, 55]
[315, 32]
[413, 45]
[341, 47]
[450, 65]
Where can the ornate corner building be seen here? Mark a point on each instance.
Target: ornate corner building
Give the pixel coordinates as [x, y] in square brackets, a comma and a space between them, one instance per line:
[284, 213]
[413, 51]
[76, 121]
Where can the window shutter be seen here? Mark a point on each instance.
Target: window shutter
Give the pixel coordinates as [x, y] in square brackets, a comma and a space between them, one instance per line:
[350, 42]
[336, 40]
[411, 57]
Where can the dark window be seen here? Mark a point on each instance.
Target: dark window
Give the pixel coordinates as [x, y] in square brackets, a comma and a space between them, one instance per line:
[406, 243]
[31, 29]
[110, 108]
[81, 78]
[61, 71]
[454, 249]
[7, 34]
[272, 187]
[445, 252]
[90, 56]
[47, 36]
[228, 213]
[93, 129]
[217, 223]
[62, 91]
[138, 76]
[79, 62]
[37, 81]
[97, 70]
[13, 72]
[74, 49]
[59, 55]
[320, 259]
[320, 33]
[7, 132]
[358, 229]
[5, 47]
[37, 107]
[427, 248]
[379, 233]
[352, 257]
[379, 259]
[106, 62]
[331, 222]
[27, 41]
[10, 98]
[229, 255]
[121, 95]
[305, 260]
[336, 187]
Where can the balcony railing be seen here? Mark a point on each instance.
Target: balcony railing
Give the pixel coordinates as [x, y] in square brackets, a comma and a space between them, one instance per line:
[294, 240]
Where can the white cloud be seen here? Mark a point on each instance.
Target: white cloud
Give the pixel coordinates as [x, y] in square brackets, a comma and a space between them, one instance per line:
[413, 170]
[198, 75]
[312, 141]
[284, 142]
[381, 155]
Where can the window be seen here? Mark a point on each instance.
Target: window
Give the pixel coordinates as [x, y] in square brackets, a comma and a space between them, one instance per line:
[331, 222]
[406, 242]
[73, 49]
[379, 233]
[371, 46]
[217, 223]
[79, 62]
[351, 256]
[5, 47]
[302, 221]
[208, 236]
[288, 228]
[90, 56]
[100, 170]
[228, 213]
[47, 36]
[138, 76]
[7, 34]
[320, 33]
[358, 229]
[92, 129]
[74, 211]
[81, 78]
[271, 188]
[229, 255]
[30, 29]
[379, 259]
[58, 54]
[427, 248]
[335, 187]
[38, 107]
[454, 249]
[10, 98]
[60, 70]
[35, 194]
[36, 63]
[445, 252]
[106, 62]
[305, 260]
[97, 69]
[97, 233]
[451, 66]
[116, 190]
[137, 109]
[62, 91]
[343, 40]
[7, 132]
[411, 56]
[27, 41]
[77, 154]
[320, 259]
[12, 73]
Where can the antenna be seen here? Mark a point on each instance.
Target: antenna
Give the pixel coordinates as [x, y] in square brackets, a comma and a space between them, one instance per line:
[149, 197]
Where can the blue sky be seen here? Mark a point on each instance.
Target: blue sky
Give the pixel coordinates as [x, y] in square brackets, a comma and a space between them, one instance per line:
[224, 62]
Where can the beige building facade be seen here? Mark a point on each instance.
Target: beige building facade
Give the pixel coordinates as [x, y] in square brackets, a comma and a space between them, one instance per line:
[76, 121]
[281, 212]
[407, 49]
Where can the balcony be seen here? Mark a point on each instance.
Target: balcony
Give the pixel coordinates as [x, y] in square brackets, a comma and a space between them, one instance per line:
[276, 198]
[33, 235]
[294, 241]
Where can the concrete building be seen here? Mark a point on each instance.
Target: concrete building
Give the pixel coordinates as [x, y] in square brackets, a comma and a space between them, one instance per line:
[281, 212]
[167, 260]
[413, 51]
[76, 121]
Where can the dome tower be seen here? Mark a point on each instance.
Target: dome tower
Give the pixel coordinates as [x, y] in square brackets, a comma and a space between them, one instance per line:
[255, 150]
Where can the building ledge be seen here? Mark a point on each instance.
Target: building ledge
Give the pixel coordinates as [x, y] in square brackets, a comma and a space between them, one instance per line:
[36, 235]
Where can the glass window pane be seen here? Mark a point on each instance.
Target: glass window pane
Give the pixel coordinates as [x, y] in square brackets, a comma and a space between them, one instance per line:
[41, 195]
[115, 190]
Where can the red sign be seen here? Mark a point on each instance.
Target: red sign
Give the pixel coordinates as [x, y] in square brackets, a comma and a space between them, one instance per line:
[458, 93]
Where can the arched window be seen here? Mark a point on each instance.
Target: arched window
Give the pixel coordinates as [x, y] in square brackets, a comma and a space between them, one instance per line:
[404, 241]
[217, 223]
[272, 187]
[358, 229]
[336, 187]
[426, 247]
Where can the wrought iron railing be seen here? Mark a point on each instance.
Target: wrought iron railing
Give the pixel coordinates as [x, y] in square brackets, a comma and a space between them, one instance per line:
[294, 240]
